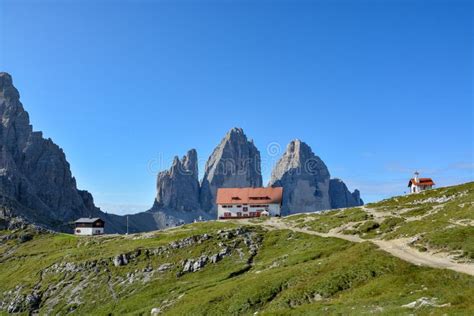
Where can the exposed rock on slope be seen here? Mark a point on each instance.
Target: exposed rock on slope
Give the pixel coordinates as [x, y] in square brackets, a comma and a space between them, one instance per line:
[235, 162]
[304, 178]
[62, 285]
[178, 187]
[220, 268]
[341, 197]
[35, 177]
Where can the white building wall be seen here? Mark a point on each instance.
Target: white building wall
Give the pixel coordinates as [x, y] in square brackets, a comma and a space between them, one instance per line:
[418, 189]
[273, 209]
[220, 211]
[88, 231]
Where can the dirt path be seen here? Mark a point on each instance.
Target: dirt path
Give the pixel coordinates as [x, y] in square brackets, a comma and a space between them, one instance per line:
[279, 224]
[398, 247]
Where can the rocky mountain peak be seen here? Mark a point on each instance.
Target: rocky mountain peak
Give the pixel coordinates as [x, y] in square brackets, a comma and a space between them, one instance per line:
[235, 131]
[306, 182]
[340, 195]
[235, 162]
[299, 151]
[176, 161]
[304, 178]
[357, 198]
[299, 159]
[178, 187]
[190, 162]
[36, 179]
[35, 174]
[15, 122]
[7, 90]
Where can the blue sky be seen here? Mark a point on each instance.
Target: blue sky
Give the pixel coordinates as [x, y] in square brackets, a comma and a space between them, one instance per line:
[378, 89]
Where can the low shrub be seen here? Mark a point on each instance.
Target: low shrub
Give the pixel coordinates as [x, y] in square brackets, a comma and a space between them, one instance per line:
[368, 226]
[390, 223]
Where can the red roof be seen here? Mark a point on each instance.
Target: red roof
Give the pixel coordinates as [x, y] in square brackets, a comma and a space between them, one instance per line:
[249, 195]
[421, 182]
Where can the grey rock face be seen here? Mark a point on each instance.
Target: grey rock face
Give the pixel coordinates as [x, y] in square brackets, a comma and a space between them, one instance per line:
[357, 198]
[34, 170]
[120, 260]
[235, 162]
[306, 182]
[304, 178]
[178, 187]
[36, 183]
[164, 267]
[341, 196]
[229, 243]
[35, 178]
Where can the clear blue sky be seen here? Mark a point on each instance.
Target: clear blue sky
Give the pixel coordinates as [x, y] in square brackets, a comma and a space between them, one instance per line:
[378, 89]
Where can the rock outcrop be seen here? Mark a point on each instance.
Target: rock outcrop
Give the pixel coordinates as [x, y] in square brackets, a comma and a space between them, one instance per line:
[177, 197]
[235, 162]
[304, 178]
[178, 187]
[357, 198]
[182, 199]
[340, 195]
[35, 178]
[36, 184]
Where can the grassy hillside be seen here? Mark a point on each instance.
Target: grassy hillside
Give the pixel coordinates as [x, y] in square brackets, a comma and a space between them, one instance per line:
[440, 220]
[220, 268]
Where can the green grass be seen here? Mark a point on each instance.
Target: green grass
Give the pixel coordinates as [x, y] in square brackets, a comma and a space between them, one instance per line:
[440, 230]
[372, 229]
[456, 238]
[368, 226]
[324, 222]
[439, 224]
[292, 273]
[418, 211]
[409, 199]
[390, 223]
[260, 219]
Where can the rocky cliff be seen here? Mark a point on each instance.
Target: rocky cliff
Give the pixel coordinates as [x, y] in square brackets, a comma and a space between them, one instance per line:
[235, 162]
[35, 178]
[180, 198]
[357, 198]
[177, 197]
[178, 187]
[36, 182]
[304, 178]
[340, 195]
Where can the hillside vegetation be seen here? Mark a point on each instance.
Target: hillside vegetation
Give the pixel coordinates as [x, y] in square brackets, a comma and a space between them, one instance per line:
[440, 220]
[237, 267]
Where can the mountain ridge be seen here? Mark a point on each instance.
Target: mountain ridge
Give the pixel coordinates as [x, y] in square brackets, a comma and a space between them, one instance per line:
[34, 172]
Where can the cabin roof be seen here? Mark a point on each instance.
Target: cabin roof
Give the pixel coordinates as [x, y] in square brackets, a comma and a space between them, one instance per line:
[421, 182]
[88, 220]
[249, 195]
